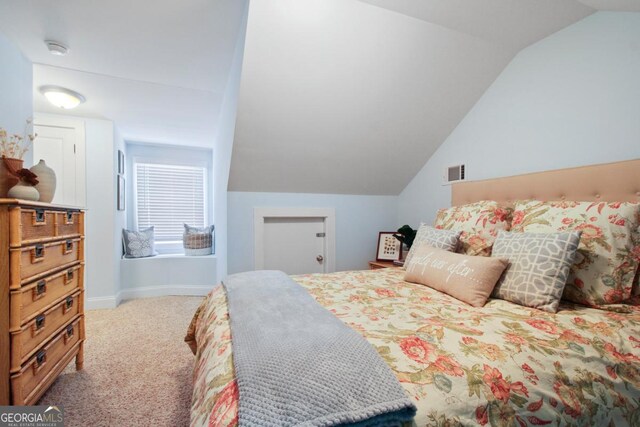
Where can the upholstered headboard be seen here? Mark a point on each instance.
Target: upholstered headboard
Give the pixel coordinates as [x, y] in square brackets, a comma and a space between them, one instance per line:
[610, 182]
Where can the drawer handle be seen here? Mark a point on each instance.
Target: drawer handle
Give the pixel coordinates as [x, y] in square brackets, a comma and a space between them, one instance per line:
[68, 277]
[40, 217]
[40, 321]
[68, 304]
[69, 218]
[68, 246]
[40, 290]
[38, 253]
[38, 325]
[68, 334]
[41, 359]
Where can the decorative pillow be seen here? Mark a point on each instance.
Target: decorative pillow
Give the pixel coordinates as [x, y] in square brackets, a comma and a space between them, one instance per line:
[442, 239]
[467, 278]
[609, 250]
[197, 241]
[138, 244]
[479, 223]
[539, 265]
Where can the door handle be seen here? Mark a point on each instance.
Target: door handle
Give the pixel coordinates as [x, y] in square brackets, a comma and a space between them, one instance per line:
[319, 258]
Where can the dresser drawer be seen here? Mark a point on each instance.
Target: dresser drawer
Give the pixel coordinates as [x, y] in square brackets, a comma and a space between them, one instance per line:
[34, 297]
[36, 225]
[38, 372]
[38, 330]
[33, 225]
[69, 224]
[33, 262]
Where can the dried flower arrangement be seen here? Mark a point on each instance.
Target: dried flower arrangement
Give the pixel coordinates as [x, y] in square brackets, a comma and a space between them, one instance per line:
[14, 146]
[27, 176]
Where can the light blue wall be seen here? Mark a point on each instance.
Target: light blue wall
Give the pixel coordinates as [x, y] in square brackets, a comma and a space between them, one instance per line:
[222, 152]
[120, 217]
[358, 221]
[101, 219]
[16, 93]
[571, 99]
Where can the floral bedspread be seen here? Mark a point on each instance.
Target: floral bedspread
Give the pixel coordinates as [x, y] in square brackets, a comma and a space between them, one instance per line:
[500, 365]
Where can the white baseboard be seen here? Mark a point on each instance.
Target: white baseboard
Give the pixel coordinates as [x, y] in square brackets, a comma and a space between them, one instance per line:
[98, 303]
[161, 291]
[146, 292]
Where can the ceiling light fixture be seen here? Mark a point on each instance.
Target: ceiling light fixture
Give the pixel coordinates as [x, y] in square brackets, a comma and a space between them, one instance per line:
[61, 97]
[56, 48]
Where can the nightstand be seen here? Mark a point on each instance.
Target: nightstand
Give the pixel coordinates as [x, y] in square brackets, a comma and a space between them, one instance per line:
[376, 265]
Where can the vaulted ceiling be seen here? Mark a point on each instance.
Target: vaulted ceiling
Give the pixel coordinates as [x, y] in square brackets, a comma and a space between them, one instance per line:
[337, 96]
[348, 96]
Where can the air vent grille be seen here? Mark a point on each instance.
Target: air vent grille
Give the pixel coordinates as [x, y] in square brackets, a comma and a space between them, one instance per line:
[454, 173]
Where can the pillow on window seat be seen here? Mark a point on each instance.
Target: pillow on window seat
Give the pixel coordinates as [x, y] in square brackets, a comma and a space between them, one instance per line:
[138, 244]
[197, 241]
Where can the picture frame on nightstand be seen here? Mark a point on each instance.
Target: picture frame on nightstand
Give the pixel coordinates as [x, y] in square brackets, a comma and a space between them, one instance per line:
[389, 248]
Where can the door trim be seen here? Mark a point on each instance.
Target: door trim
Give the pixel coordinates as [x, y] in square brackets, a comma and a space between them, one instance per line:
[329, 215]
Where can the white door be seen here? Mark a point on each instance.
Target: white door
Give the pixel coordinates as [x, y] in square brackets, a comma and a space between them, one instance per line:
[294, 245]
[62, 148]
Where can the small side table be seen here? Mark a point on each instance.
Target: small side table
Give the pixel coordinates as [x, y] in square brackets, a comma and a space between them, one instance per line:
[376, 265]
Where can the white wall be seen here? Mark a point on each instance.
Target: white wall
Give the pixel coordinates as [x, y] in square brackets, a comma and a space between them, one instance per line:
[16, 97]
[222, 152]
[167, 275]
[358, 221]
[571, 99]
[352, 87]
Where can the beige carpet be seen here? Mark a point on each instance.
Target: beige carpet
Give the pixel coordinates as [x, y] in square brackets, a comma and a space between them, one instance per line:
[137, 368]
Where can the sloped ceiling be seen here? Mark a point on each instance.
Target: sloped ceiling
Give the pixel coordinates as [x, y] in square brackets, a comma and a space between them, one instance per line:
[157, 69]
[614, 5]
[352, 97]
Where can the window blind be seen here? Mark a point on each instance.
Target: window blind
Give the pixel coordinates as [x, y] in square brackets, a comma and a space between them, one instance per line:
[168, 196]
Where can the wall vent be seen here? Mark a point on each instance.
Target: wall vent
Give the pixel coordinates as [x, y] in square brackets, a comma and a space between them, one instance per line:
[453, 174]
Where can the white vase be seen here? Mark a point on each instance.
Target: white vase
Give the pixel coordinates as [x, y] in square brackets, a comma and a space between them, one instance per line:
[46, 181]
[24, 191]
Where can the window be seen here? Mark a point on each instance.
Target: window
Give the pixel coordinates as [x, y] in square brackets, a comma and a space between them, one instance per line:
[168, 195]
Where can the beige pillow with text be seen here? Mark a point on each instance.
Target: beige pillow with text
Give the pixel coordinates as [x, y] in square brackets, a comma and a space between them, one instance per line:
[468, 278]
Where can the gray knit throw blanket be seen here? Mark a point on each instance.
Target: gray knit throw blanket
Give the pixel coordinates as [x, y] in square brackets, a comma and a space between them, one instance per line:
[296, 364]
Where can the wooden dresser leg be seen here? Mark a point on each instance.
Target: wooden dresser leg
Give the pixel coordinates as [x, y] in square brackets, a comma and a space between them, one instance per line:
[80, 357]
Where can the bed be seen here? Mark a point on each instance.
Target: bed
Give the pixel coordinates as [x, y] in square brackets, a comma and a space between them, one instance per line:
[502, 364]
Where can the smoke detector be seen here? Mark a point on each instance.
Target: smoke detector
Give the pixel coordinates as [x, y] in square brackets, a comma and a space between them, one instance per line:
[56, 48]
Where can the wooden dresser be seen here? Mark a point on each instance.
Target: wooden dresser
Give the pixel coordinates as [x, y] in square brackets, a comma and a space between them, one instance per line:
[41, 296]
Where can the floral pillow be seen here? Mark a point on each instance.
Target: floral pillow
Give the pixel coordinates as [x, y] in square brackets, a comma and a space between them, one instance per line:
[609, 250]
[479, 223]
